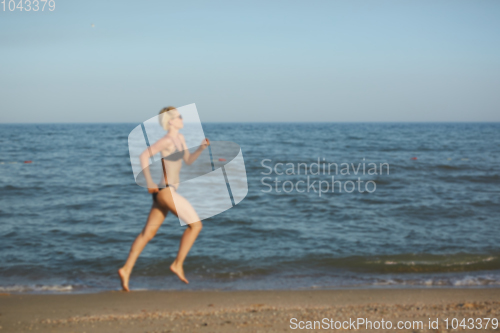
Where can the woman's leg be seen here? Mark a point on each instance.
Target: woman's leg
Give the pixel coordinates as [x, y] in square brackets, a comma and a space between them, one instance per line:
[183, 209]
[187, 241]
[155, 219]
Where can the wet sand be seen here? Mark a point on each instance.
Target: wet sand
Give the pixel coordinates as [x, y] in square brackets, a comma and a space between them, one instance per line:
[244, 311]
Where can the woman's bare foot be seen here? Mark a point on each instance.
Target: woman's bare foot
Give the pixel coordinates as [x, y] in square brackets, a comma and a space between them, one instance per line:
[179, 271]
[124, 276]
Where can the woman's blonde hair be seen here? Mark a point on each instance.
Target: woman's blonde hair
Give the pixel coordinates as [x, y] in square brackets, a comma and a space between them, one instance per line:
[165, 116]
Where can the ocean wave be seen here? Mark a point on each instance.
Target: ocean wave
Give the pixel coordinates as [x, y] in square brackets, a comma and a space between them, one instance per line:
[464, 281]
[426, 263]
[36, 288]
[448, 167]
[472, 179]
[401, 263]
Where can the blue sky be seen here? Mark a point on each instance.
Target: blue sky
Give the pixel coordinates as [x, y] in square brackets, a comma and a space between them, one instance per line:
[252, 61]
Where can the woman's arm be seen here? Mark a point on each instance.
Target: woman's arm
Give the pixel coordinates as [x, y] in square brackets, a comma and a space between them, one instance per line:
[190, 158]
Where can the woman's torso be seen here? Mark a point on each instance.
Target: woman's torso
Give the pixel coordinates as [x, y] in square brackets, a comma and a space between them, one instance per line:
[172, 163]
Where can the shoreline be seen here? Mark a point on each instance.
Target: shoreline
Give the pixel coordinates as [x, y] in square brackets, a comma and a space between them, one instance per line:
[230, 311]
[78, 291]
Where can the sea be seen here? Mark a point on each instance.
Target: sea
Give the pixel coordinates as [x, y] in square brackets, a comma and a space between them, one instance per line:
[329, 206]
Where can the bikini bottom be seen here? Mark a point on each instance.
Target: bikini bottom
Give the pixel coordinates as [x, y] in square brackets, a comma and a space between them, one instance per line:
[156, 194]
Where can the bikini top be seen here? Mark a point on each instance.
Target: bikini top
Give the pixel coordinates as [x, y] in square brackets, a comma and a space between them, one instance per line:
[175, 156]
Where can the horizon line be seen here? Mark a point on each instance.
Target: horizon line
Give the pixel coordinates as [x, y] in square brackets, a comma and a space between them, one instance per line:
[266, 122]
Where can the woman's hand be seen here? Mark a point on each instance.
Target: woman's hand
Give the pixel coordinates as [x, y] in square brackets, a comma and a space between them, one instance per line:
[205, 143]
[153, 188]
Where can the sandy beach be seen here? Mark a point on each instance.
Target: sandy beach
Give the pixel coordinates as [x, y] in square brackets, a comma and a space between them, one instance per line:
[246, 311]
